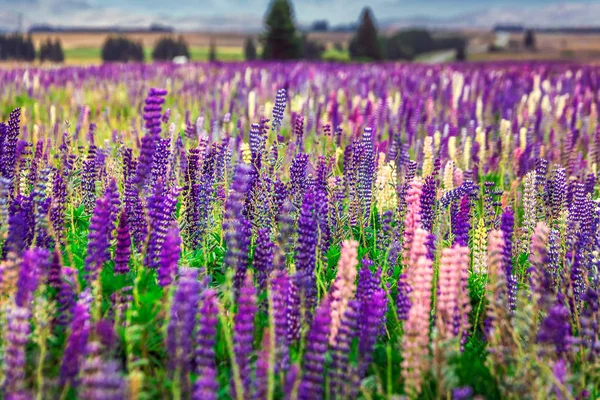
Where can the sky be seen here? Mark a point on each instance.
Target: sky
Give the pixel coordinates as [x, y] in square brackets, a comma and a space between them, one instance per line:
[247, 15]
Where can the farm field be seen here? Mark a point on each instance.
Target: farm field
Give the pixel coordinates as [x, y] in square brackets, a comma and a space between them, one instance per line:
[299, 230]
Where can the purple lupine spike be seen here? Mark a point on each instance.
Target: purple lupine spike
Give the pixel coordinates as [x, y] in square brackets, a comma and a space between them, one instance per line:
[291, 380]
[17, 226]
[372, 315]
[557, 188]
[243, 332]
[41, 206]
[279, 108]
[34, 264]
[235, 226]
[112, 194]
[77, 340]
[161, 206]
[462, 393]
[342, 377]
[461, 225]
[588, 319]
[299, 131]
[65, 296]
[263, 256]
[507, 227]
[16, 337]
[305, 250]
[206, 386]
[181, 325]
[428, 199]
[366, 171]
[89, 178]
[123, 246]
[207, 331]
[280, 292]
[136, 215]
[9, 145]
[555, 329]
[298, 177]
[152, 115]
[322, 218]
[403, 303]
[98, 239]
[285, 241]
[160, 163]
[58, 206]
[169, 257]
[102, 380]
[54, 279]
[311, 386]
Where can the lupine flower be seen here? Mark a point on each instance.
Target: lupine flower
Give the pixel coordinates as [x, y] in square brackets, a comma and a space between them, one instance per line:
[152, 115]
[311, 386]
[58, 206]
[263, 256]
[403, 301]
[507, 230]
[555, 329]
[182, 322]
[306, 246]
[169, 257]
[9, 145]
[480, 248]
[428, 199]
[77, 339]
[123, 246]
[98, 238]
[373, 306]
[416, 338]
[344, 287]
[34, 264]
[412, 220]
[453, 304]
[366, 171]
[206, 386]
[244, 330]
[298, 177]
[236, 226]
[282, 308]
[385, 183]
[15, 340]
[342, 375]
[279, 108]
[100, 380]
[161, 206]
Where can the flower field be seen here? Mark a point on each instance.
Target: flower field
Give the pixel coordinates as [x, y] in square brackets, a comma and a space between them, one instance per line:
[300, 231]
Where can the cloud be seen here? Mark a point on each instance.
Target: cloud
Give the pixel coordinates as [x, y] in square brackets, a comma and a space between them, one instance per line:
[247, 15]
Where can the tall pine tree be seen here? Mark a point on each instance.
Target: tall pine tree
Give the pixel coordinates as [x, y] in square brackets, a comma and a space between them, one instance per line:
[365, 43]
[281, 42]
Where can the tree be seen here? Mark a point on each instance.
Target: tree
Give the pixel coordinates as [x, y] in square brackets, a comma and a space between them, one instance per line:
[168, 48]
[122, 49]
[365, 43]
[58, 54]
[212, 51]
[529, 40]
[281, 42]
[321, 25]
[461, 53]
[249, 49]
[311, 50]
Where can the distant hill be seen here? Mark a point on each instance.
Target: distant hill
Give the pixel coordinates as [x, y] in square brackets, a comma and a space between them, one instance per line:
[102, 29]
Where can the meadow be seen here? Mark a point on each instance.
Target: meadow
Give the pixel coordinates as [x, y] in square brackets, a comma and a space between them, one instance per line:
[300, 231]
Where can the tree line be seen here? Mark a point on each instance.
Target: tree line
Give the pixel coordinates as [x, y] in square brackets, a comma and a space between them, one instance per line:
[21, 48]
[281, 40]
